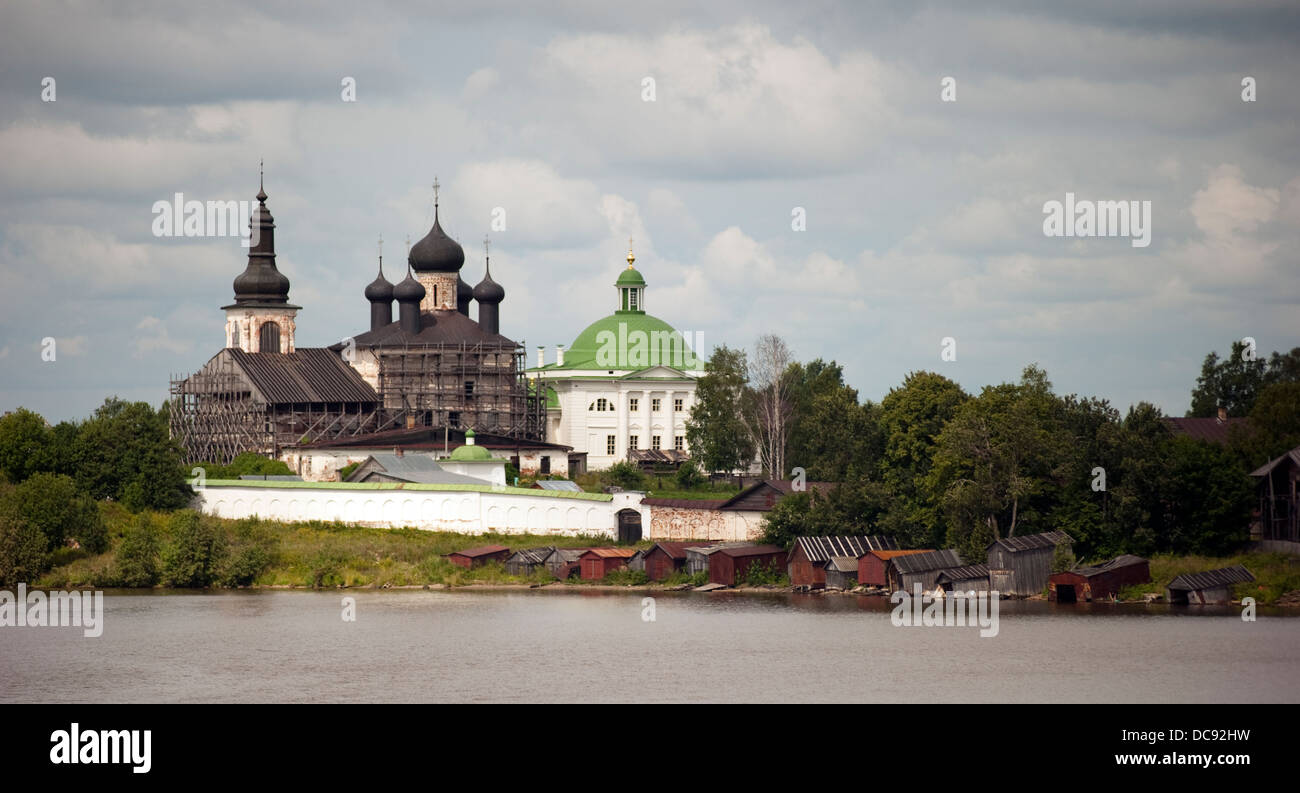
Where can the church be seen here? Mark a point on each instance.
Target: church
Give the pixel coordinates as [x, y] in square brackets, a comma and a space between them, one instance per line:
[625, 387]
[428, 367]
[423, 374]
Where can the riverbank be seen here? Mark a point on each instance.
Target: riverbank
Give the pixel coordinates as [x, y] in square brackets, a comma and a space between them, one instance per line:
[264, 554]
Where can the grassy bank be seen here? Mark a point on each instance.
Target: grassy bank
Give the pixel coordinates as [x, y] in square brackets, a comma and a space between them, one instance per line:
[314, 554]
[1275, 574]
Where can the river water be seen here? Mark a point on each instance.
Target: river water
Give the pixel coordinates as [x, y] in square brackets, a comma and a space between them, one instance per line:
[574, 646]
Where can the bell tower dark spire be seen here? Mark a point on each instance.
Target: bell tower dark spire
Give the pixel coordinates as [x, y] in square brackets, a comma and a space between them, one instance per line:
[261, 319]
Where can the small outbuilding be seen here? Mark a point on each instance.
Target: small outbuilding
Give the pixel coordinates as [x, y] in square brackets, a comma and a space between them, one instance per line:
[526, 562]
[809, 555]
[665, 558]
[473, 557]
[1020, 566]
[1098, 582]
[873, 566]
[730, 564]
[599, 562]
[841, 572]
[906, 571]
[564, 562]
[969, 578]
[697, 558]
[1210, 587]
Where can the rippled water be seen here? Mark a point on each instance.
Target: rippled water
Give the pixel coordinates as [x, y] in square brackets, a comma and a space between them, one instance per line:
[570, 646]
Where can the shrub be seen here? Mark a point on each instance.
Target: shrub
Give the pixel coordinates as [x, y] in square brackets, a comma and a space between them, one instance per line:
[1063, 560]
[195, 552]
[688, 476]
[763, 575]
[136, 564]
[244, 566]
[625, 475]
[23, 549]
[53, 504]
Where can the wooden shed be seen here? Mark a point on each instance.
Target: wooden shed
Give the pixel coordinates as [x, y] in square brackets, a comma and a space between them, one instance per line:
[473, 557]
[697, 558]
[969, 578]
[526, 562]
[665, 558]
[1098, 582]
[1278, 486]
[809, 555]
[729, 564]
[840, 572]
[637, 561]
[564, 562]
[907, 570]
[872, 567]
[600, 562]
[1020, 566]
[1210, 587]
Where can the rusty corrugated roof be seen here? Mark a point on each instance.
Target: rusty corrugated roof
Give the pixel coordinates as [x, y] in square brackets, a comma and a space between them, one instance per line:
[612, 553]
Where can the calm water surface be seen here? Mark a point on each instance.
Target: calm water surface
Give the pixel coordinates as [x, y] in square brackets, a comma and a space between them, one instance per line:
[565, 646]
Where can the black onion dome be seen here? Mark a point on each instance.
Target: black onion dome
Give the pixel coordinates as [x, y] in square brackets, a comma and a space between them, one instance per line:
[489, 291]
[261, 282]
[436, 252]
[409, 290]
[379, 290]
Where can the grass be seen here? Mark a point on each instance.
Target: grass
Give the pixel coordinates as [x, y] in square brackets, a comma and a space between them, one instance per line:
[324, 554]
[1275, 574]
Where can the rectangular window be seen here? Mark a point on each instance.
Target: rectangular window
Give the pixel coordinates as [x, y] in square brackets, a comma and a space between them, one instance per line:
[632, 441]
[546, 463]
[677, 404]
[469, 389]
[679, 443]
[610, 448]
[633, 404]
[654, 405]
[654, 442]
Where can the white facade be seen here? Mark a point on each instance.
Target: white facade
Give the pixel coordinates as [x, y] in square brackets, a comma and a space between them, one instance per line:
[431, 507]
[604, 415]
[244, 327]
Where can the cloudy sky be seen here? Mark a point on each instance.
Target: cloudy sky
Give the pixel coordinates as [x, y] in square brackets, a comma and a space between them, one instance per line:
[924, 218]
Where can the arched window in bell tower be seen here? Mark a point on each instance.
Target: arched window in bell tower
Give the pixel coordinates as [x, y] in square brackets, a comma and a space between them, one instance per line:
[268, 338]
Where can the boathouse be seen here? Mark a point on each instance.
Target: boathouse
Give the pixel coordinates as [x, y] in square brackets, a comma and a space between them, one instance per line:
[473, 557]
[809, 555]
[872, 566]
[970, 578]
[1098, 582]
[665, 558]
[730, 564]
[906, 570]
[526, 562]
[1209, 587]
[599, 562]
[1020, 566]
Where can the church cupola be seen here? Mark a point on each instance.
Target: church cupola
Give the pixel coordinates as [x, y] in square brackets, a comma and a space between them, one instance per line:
[631, 287]
[408, 295]
[380, 294]
[436, 260]
[489, 295]
[261, 319]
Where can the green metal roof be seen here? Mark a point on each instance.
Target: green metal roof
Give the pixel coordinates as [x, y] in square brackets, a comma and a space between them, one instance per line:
[470, 453]
[625, 348]
[630, 277]
[484, 488]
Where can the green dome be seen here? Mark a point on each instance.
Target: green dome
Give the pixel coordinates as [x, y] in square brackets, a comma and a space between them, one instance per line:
[470, 454]
[583, 353]
[630, 277]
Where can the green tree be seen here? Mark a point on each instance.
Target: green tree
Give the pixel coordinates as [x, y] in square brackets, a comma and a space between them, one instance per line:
[26, 444]
[195, 552]
[910, 420]
[136, 562]
[1235, 382]
[1273, 427]
[626, 475]
[688, 476]
[1209, 499]
[124, 452]
[832, 437]
[52, 504]
[714, 430]
[24, 551]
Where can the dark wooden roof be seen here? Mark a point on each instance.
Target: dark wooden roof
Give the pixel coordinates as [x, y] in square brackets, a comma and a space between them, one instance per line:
[762, 496]
[966, 573]
[749, 550]
[675, 550]
[532, 555]
[436, 327]
[1214, 430]
[1292, 458]
[922, 562]
[485, 550]
[1211, 579]
[310, 374]
[1029, 542]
